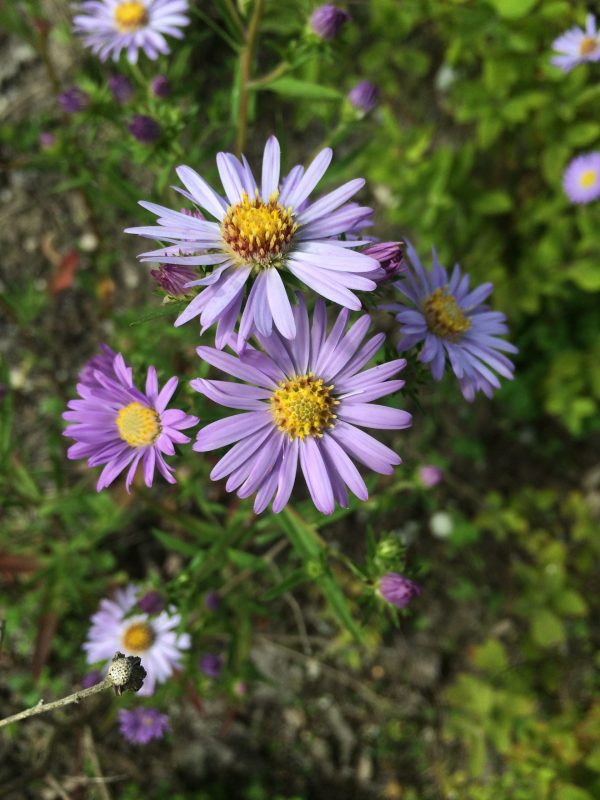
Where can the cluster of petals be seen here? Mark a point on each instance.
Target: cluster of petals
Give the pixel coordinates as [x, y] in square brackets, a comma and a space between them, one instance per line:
[265, 456]
[106, 390]
[110, 27]
[576, 46]
[471, 341]
[116, 627]
[313, 252]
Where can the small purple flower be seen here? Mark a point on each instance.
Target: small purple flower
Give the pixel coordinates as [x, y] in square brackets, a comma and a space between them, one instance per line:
[110, 27]
[142, 725]
[47, 140]
[430, 475]
[259, 239]
[102, 362]
[115, 424]
[212, 601]
[581, 180]
[453, 322]
[364, 96]
[154, 639]
[327, 20]
[161, 86]
[390, 257]
[576, 46]
[211, 665]
[172, 278]
[91, 678]
[145, 129]
[152, 602]
[305, 401]
[73, 100]
[397, 589]
[121, 89]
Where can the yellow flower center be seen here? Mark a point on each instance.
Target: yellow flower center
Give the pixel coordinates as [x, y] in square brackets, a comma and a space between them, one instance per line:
[444, 316]
[257, 231]
[138, 425]
[303, 406]
[138, 637]
[588, 46]
[130, 16]
[588, 178]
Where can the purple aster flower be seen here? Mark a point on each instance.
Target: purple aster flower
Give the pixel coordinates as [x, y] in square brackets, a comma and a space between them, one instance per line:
[327, 20]
[212, 601]
[73, 100]
[453, 322]
[397, 589]
[161, 86]
[109, 27]
[47, 140]
[390, 257]
[581, 180]
[154, 639]
[302, 402]
[91, 679]
[145, 129]
[430, 475]
[260, 235]
[121, 88]
[103, 362]
[173, 278]
[577, 46]
[211, 665]
[142, 725]
[152, 602]
[364, 96]
[115, 424]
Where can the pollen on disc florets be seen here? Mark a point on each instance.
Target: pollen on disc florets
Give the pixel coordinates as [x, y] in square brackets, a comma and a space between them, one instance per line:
[130, 16]
[444, 316]
[258, 232]
[138, 425]
[589, 45]
[138, 637]
[303, 406]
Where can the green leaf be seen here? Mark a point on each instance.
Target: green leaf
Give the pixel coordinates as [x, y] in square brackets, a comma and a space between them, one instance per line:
[246, 560]
[170, 542]
[586, 274]
[303, 536]
[292, 87]
[513, 9]
[295, 579]
[570, 603]
[337, 600]
[497, 202]
[546, 628]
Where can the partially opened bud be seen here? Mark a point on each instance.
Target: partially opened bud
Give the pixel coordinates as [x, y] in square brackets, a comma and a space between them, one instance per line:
[397, 589]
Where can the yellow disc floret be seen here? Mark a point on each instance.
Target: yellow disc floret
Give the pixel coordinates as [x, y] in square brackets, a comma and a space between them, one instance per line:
[444, 316]
[589, 45]
[130, 16]
[138, 637]
[303, 406]
[138, 425]
[588, 178]
[258, 232]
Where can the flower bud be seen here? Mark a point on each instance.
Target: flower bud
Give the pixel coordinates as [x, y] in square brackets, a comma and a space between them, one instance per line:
[161, 86]
[390, 257]
[73, 100]
[327, 20]
[430, 475]
[145, 129]
[151, 603]
[364, 97]
[121, 89]
[397, 589]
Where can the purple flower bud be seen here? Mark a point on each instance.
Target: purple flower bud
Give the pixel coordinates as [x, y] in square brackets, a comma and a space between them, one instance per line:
[212, 601]
[91, 679]
[151, 603]
[211, 665]
[430, 475]
[121, 89]
[172, 278]
[390, 257]
[73, 100]
[161, 86]
[145, 129]
[397, 589]
[327, 20]
[364, 96]
[47, 140]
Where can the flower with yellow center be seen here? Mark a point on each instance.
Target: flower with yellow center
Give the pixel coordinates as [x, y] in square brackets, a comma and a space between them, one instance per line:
[258, 232]
[138, 425]
[588, 178]
[138, 637]
[444, 316]
[589, 45]
[303, 406]
[130, 16]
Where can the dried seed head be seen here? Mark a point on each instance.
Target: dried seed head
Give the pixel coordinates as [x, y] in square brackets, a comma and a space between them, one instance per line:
[126, 673]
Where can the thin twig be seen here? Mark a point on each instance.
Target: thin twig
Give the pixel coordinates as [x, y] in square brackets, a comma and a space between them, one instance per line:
[88, 743]
[42, 707]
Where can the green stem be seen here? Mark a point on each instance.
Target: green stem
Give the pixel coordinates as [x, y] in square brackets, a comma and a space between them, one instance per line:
[246, 75]
[279, 70]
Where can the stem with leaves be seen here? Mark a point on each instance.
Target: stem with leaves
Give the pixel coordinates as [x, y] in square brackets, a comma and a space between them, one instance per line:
[245, 75]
